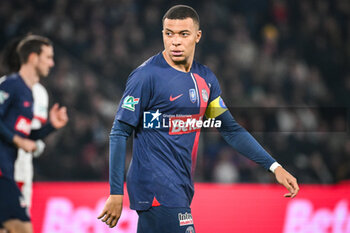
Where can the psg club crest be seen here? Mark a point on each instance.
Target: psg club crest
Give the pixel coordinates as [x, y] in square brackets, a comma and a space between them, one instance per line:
[193, 96]
[205, 96]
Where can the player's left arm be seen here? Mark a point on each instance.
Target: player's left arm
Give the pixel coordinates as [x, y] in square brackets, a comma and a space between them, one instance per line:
[58, 119]
[244, 143]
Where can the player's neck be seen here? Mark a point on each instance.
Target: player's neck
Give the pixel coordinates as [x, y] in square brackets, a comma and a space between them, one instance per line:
[185, 67]
[29, 75]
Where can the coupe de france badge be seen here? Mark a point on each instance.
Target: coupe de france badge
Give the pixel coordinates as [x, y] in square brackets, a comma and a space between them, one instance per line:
[3, 96]
[130, 102]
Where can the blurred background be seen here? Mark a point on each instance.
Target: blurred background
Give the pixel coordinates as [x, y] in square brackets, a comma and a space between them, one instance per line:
[283, 67]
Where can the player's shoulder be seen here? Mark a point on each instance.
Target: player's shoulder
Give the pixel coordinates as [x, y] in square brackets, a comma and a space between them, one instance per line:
[147, 69]
[10, 81]
[150, 64]
[203, 70]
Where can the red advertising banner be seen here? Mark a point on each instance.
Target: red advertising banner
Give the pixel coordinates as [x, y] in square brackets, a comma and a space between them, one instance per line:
[74, 207]
[60, 207]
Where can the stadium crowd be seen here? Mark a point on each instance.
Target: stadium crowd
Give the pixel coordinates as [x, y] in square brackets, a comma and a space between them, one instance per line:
[283, 67]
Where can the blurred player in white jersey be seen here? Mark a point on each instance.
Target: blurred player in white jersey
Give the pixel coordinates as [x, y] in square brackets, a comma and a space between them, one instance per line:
[24, 163]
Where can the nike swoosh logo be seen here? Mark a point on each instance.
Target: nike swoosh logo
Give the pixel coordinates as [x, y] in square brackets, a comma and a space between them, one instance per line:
[174, 98]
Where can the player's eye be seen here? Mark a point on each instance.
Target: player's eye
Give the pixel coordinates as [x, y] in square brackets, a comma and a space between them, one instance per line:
[185, 34]
[168, 33]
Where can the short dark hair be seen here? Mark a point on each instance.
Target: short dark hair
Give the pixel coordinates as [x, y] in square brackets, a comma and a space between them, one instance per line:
[182, 12]
[31, 44]
[9, 61]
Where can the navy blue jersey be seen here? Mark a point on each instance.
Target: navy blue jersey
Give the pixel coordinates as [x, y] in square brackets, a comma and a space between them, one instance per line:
[164, 154]
[16, 113]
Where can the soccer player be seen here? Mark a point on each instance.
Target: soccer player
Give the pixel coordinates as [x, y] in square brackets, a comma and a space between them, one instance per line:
[24, 169]
[16, 114]
[171, 84]
[10, 63]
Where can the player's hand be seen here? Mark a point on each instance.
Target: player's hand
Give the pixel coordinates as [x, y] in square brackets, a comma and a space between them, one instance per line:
[287, 180]
[58, 116]
[112, 210]
[26, 144]
[40, 147]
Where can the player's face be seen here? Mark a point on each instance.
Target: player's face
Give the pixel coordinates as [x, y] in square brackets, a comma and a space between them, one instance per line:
[180, 37]
[45, 61]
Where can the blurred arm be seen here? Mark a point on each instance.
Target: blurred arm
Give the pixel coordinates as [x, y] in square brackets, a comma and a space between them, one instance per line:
[5, 133]
[42, 132]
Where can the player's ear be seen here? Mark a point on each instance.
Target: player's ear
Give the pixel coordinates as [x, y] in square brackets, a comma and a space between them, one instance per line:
[33, 58]
[198, 36]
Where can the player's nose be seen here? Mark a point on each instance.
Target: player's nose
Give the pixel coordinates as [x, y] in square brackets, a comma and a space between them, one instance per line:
[176, 40]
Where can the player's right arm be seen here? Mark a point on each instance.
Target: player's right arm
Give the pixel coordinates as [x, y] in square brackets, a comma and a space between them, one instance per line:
[117, 150]
[20, 142]
[7, 96]
[27, 145]
[133, 103]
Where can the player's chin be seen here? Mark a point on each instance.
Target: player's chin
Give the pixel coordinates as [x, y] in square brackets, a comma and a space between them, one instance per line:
[178, 59]
[44, 74]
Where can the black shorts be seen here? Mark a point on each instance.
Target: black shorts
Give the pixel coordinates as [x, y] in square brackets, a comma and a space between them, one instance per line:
[165, 220]
[12, 204]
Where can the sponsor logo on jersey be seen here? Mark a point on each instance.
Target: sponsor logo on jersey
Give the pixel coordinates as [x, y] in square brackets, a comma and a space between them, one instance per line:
[3, 96]
[190, 229]
[174, 98]
[205, 95]
[193, 97]
[185, 219]
[151, 120]
[177, 124]
[190, 124]
[130, 102]
[26, 104]
[23, 125]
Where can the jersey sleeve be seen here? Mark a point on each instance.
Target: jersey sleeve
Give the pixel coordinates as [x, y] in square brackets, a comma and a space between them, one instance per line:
[135, 98]
[216, 104]
[244, 142]
[6, 98]
[6, 95]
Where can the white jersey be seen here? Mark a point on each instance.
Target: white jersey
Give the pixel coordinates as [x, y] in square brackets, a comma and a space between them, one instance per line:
[24, 163]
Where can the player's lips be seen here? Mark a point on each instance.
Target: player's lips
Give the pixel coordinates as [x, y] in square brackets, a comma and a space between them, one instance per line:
[176, 52]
